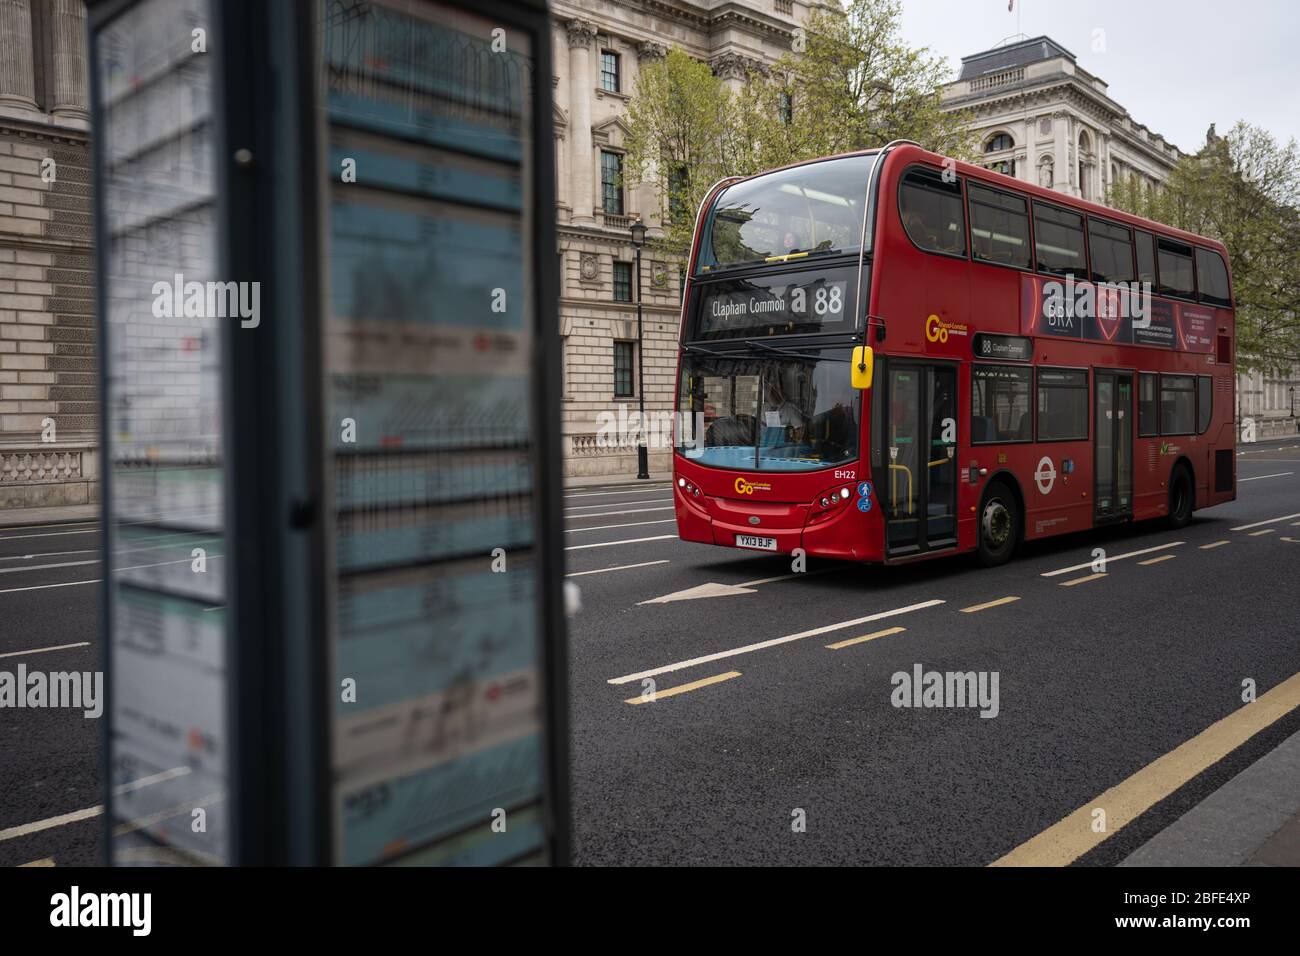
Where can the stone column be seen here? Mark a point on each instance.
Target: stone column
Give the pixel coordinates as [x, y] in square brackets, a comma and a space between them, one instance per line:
[17, 75]
[1028, 169]
[734, 69]
[1061, 174]
[648, 201]
[582, 184]
[67, 26]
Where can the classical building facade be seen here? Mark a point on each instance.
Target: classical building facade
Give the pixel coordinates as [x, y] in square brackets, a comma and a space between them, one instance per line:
[1039, 116]
[47, 363]
[599, 46]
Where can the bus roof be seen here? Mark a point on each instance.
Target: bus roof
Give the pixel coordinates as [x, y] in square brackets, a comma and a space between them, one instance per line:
[906, 153]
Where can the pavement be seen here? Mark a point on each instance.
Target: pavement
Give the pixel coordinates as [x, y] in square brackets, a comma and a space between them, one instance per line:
[772, 736]
[17, 517]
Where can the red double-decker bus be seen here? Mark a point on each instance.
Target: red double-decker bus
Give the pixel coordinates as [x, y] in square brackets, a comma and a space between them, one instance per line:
[889, 355]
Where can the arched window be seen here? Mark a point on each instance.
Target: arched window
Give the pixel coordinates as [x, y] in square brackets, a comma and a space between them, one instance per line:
[999, 142]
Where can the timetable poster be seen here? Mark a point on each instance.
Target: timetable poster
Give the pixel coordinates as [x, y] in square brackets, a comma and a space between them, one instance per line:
[166, 580]
[428, 352]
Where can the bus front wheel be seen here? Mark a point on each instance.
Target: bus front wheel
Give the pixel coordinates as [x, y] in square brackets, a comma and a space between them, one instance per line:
[999, 528]
[1180, 498]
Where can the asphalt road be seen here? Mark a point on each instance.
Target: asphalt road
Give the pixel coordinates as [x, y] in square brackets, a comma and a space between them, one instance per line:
[1097, 680]
[49, 758]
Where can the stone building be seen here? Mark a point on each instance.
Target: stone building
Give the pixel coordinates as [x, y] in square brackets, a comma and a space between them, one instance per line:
[48, 393]
[1040, 117]
[599, 46]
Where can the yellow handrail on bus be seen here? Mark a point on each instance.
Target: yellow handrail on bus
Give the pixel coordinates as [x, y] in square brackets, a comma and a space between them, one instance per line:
[893, 487]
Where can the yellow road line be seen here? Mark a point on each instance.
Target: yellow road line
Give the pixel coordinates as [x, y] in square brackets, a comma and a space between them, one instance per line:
[681, 688]
[1163, 557]
[1256, 534]
[981, 607]
[1066, 841]
[1091, 577]
[865, 637]
[48, 861]
[1214, 544]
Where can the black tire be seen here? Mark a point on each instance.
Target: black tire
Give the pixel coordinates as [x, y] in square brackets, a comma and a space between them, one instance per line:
[1181, 497]
[999, 525]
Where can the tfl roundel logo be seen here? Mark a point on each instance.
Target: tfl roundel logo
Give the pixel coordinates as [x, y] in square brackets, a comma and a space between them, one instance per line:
[1045, 475]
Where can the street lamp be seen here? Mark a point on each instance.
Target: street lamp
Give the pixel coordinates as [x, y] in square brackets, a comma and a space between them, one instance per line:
[642, 453]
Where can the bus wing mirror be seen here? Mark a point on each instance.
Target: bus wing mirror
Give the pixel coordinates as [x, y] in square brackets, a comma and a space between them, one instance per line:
[864, 362]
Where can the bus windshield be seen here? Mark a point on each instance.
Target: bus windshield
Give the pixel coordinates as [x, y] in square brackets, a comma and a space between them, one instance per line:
[768, 412]
[813, 209]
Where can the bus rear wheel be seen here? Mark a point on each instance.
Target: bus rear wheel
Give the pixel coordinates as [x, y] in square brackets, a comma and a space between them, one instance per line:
[999, 527]
[1180, 498]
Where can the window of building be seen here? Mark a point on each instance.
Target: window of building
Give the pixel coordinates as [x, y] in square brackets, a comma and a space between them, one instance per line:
[622, 282]
[999, 227]
[681, 283]
[1175, 261]
[1111, 251]
[624, 359]
[997, 143]
[1146, 258]
[1062, 404]
[611, 182]
[1204, 403]
[1058, 241]
[1007, 167]
[1177, 404]
[931, 210]
[999, 404]
[1212, 278]
[785, 107]
[1148, 408]
[609, 71]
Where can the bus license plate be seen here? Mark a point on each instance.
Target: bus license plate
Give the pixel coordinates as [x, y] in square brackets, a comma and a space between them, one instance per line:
[752, 541]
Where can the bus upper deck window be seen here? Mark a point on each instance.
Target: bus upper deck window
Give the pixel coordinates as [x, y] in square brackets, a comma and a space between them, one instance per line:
[931, 210]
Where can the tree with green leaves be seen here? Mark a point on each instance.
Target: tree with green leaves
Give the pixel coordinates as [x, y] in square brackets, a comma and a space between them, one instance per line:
[687, 131]
[849, 83]
[1244, 190]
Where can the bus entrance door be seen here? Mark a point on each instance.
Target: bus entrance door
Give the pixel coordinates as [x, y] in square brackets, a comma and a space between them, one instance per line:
[918, 463]
[1113, 497]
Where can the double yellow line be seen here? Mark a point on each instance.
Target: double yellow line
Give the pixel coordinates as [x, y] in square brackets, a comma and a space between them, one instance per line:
[1066, 841]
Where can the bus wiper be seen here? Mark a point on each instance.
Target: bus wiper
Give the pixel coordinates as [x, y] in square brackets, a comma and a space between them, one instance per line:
[782, 350]
[743, 345]
[700, 348]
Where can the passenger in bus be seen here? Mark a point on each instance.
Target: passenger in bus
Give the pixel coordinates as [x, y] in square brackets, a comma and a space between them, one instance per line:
[781, 413]
[919, 230]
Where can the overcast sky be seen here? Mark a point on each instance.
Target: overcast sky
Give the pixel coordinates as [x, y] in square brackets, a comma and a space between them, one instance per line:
[1175, 65]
